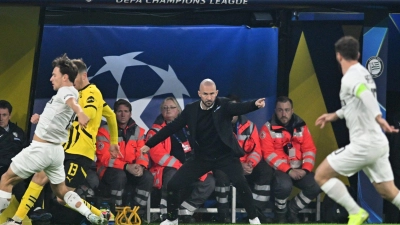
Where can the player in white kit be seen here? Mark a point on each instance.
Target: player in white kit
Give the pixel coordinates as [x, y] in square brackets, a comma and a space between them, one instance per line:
[45, 152]
[368, 149]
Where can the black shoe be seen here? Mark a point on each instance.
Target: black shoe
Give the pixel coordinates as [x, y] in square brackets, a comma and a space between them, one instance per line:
[293, 217]
[261, 216]
[224, 218]
[40, 215]
[187, 219]
[280, 217]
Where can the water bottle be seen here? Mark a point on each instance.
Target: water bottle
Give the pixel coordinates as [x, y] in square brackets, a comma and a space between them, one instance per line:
[105, 210]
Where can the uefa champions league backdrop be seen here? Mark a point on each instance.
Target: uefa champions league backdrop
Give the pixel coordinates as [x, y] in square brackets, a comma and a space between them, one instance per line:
[146, 64]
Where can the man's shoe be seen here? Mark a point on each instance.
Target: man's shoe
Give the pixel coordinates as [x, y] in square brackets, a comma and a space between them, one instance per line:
[254, 221]
[168, 222]
[280, 217]
[40, 215]
[187, 219]
[11, 222]
[293, 217]
[97, 220]
[359, 218]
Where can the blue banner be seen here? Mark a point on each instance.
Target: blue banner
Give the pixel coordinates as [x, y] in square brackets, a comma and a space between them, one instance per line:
[374, 58]
[146, 64]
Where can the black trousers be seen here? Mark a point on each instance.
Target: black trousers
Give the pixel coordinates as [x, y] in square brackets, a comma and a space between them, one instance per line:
[116, 180]
[259, 181]
[193, 169]
[283, 185]
[193, 197]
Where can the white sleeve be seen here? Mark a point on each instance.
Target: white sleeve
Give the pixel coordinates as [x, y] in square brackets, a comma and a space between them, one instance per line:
[370, 102]
[340, 113]
[65, 93]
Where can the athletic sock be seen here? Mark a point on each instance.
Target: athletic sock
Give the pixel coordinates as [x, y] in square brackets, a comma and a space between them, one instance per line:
[28, 200]
[337, 191]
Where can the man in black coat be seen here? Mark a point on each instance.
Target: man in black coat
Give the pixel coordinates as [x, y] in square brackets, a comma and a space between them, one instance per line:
[12, 141]
[215, 146]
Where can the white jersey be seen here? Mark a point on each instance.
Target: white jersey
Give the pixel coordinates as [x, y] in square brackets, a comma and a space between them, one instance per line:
[363, 128]
[57, 117]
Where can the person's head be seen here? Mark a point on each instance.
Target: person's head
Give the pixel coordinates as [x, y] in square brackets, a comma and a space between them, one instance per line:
[170, 109]
[5, 113]
[64, 72]
[207, 92]
[234, 98]
[81, 80]
[347, 48]
[123, 111]
[284, 109]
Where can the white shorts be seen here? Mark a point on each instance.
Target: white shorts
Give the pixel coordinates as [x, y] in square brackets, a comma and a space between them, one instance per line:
[374, 161]
[40, 156]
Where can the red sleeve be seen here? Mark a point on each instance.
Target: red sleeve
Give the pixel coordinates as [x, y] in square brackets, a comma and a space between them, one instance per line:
[308, 150]
[160, 153]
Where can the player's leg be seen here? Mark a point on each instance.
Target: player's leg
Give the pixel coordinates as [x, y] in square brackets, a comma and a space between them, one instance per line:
[75, 174]
[342, 161]
[31, 195]
[30, 160]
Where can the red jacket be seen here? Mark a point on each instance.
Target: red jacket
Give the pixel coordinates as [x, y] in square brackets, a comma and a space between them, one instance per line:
[248, 139]
[274, 140]
[130, 140]
[160, 155]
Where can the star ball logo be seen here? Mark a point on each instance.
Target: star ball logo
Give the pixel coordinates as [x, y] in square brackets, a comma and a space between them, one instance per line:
[375, 66]
[170, 84]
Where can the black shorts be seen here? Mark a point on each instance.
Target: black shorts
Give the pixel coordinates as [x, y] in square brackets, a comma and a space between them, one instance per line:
[76, 167]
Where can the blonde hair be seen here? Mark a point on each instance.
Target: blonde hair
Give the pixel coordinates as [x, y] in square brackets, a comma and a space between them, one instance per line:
[174, 101]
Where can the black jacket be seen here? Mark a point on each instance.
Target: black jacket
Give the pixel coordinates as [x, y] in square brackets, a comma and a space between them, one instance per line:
[11, 143]
[222, 116]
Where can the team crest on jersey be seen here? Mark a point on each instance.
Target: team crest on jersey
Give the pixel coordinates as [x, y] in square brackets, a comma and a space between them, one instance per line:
[90, 99]
[375, 66]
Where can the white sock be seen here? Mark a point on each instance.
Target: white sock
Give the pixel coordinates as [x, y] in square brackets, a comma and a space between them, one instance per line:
[5, 198]
[396, 200]
[337, 191]
[73, 199]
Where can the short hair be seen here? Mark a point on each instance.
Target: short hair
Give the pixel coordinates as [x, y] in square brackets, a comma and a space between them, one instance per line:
[171, 99]
[66, 67]
[6, 105]
[348, 47]
[233, 97]
[283, 99]
[122, 102]
[82, 68]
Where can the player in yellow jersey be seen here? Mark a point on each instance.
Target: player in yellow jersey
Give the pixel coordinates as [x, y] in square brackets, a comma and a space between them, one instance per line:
[81, 145]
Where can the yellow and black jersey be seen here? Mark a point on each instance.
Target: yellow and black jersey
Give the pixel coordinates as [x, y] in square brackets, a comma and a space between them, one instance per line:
[82, 141]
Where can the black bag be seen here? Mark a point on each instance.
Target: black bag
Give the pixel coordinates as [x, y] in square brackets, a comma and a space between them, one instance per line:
[332, 212]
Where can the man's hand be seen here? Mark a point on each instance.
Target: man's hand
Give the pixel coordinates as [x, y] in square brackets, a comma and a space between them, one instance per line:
[247, 168]
[135, 169]
[115, 152]
[260, 103]
[144, 149]
[385, 126]
[297, 174]
[327, 117]
[83, 119]
[35, 118]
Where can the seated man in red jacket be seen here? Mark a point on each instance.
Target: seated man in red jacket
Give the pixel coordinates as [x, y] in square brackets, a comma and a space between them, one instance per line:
[168, 156]
[257, 172]
[129, 168]
[288, 147]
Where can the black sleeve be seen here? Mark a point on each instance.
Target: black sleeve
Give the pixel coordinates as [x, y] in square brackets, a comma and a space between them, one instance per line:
[171, 128]
[240, 108]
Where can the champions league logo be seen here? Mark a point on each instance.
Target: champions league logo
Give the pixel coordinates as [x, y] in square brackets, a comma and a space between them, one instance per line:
[170, 84]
